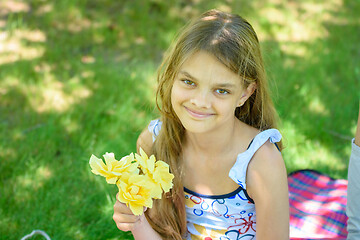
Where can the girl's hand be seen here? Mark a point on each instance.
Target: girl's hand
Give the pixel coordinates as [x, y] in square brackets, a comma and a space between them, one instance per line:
[125, 220]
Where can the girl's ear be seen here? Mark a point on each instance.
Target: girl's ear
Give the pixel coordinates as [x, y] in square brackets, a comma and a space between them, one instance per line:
[247, 93]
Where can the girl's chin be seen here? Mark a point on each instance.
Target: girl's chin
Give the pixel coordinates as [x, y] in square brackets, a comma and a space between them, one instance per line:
[198, 126]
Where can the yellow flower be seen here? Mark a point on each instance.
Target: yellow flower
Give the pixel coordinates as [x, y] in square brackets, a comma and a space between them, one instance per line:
[136, 188]
[135, 192]
[113, 169]
[147, 164]
[158, 172]
[156, 191]
[162, 176]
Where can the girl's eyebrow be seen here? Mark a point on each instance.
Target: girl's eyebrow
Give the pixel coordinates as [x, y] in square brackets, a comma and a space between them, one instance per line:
[220, 85]
[226, 85]
[187, 74]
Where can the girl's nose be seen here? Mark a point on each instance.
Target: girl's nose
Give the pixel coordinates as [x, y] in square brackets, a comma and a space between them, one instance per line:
[201, 100]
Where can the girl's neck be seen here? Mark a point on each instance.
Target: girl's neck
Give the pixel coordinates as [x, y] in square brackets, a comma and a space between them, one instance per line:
[213, 143]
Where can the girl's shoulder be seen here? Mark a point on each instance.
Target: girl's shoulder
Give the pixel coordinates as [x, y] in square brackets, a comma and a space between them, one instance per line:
[145, 141]
[261, 147]
[266, 155]
[266, 166]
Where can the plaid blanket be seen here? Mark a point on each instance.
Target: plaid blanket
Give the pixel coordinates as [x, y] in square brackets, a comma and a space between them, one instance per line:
[317, 206]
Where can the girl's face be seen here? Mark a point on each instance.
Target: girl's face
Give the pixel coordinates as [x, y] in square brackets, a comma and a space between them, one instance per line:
[205, 93]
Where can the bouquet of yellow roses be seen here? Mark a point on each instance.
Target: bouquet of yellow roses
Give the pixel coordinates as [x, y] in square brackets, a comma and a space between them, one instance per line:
[140, 179]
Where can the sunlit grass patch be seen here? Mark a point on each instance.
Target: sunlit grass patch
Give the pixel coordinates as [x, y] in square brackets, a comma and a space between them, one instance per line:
[303, 152]
[17, 45]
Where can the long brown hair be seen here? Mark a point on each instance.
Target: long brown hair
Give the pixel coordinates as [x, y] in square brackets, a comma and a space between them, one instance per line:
[233, 41]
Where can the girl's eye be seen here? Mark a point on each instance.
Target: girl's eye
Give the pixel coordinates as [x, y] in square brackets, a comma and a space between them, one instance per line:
[222, 91]
[188, 82]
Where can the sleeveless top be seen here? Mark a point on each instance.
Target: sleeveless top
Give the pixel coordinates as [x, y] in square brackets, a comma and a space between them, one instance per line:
[229, 216]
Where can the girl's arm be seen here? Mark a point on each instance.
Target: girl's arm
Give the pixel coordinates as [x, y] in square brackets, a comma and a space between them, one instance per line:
[123, 217]
[353, 191]
[145, 141]
[267, 186]
[357, 136]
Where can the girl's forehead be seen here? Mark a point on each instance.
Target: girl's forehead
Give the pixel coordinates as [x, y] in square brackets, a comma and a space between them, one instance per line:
[204, 65]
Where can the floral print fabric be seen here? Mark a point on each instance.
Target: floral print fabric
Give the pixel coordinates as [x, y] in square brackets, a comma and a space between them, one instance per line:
[230, 216]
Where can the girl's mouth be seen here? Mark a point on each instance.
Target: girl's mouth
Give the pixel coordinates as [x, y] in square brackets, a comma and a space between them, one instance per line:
[197, 114]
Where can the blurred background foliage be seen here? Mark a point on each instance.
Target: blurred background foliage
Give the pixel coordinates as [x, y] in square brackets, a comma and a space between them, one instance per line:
[78, 77]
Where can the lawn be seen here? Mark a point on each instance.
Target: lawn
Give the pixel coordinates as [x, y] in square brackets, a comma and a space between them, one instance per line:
[77, 77]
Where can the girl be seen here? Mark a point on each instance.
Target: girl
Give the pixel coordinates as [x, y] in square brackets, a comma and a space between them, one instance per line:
[215, 133]
[353, 190]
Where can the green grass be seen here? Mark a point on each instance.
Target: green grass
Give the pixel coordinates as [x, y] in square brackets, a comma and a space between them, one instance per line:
[78, 78]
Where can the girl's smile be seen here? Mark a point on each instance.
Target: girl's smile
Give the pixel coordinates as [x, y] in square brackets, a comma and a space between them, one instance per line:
[198, 114]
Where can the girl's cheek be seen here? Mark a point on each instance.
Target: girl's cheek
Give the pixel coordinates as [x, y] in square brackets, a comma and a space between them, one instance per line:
[176, 94]
[173, 97]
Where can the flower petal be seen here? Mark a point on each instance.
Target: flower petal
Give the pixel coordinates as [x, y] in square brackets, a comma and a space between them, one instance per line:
[110, 160]
[162, 176]
[143, 154]
[111, 179]
[136, 209]
[151, 163]
[97, 165]
[156, 191]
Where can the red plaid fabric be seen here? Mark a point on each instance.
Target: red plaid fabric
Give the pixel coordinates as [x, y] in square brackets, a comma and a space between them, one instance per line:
[317, 206]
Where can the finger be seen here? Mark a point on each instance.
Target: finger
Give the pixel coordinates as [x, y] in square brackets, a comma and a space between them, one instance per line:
[122, 208]
[125, 226]
[125, 218]
[126, 222]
